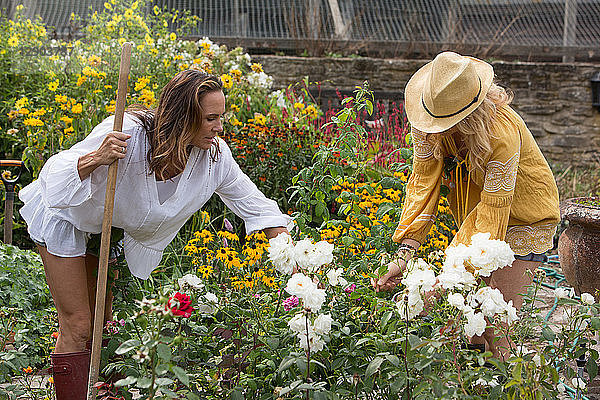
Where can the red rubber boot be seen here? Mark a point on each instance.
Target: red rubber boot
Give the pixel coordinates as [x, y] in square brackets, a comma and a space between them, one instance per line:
[70, 372]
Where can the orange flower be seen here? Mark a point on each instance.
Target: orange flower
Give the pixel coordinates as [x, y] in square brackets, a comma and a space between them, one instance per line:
[28, 370]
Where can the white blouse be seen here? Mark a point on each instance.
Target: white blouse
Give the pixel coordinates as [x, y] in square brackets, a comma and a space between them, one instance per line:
[60, 209]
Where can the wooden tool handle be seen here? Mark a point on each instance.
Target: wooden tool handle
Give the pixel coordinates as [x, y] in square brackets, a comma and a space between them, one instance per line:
[109, 202]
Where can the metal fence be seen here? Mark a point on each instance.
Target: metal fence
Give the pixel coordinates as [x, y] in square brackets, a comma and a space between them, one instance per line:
[520, 28]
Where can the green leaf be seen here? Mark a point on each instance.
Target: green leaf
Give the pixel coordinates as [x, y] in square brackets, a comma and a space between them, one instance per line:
[548, 334]
[181, 375]
[144, 383]
[127, 346]
[393, 359]
[126, 381]
[369, 106]
[164, 352]
[163, 381]
[592, 368]
[236, 394]
[373, 366]
[595, 323]
[161, 369]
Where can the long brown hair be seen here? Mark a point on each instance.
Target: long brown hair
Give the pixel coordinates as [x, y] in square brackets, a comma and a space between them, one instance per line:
[171, 126]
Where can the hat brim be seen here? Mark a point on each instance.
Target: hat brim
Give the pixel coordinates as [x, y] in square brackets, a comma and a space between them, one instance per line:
[420, 119]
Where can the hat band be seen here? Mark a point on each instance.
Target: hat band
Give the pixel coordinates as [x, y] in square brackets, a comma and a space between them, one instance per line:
[457, 112]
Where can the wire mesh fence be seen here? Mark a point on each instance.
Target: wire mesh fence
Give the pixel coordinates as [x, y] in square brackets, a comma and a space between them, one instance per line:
[534, 28]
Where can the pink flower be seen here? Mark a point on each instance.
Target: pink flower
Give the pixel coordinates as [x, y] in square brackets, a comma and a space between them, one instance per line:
[181, 305]
[290, 303]
[350, 289]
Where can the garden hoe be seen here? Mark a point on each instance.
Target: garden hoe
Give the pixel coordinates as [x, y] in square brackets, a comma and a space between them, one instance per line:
[109, 202]
[9, 185]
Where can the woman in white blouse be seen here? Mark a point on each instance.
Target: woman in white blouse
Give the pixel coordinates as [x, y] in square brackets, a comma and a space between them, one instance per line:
[170, 163]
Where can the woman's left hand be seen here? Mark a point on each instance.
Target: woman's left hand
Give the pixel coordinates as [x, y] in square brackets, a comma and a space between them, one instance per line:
[274, 231]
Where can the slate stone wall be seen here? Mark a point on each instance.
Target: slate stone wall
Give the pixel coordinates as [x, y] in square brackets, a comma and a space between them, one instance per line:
[554, 99]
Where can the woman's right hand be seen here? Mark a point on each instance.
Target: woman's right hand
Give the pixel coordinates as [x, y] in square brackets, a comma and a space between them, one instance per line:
[391, 278]
[113, 147]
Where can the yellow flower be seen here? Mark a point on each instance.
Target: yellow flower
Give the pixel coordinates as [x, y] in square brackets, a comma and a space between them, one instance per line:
[227, 81]
[60, 98]
[311, 111]
[110, 108]
[28, 370]
[51, 380]
[13, 41]
[33, 122]
[235, 108]
[22, 102]
[149, 39]
[156, 10]
[134, 5]
[141, 83]
[147, 97]
[173, 36]
[236, 74]
[81, 80]
[77, 108]
[52, 86]
[94, 60]
[299, 106]
[108, 6]
[23, 111]
[256, 67]
[128, 14]
[66, 120]
[205, 270]
[260, 119]
[235, 122]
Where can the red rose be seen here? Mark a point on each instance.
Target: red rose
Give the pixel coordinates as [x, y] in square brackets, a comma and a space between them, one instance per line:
[181, 305]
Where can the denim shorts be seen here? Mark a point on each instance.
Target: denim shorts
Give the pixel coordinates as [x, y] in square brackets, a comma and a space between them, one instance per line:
[533, 257]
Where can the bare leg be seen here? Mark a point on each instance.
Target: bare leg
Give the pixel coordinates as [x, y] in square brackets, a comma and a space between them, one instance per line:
[512, 282]
[91, 265]
[67, 280]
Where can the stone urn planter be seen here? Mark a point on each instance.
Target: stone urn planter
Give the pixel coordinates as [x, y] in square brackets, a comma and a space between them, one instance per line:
[579, 244]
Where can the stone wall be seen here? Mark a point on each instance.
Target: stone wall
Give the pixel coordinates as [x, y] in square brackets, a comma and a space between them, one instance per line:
[554, 99]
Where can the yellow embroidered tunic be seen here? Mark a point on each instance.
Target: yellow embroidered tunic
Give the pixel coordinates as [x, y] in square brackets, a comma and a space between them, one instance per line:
[516, 199]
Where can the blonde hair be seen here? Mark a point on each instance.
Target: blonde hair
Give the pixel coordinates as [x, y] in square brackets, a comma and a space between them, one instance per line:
[476, 129]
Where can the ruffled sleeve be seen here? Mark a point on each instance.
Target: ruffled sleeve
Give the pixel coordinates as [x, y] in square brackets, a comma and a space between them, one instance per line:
[59, 181]
[59, 178]
[242, 197]
[422, 192]
[492, 213]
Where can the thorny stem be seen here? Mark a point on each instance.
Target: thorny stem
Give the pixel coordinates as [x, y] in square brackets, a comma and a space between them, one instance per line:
[457, 368]
[307, 354]
[406, 356]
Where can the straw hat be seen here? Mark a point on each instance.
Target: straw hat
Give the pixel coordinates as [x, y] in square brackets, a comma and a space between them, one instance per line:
[444, 91]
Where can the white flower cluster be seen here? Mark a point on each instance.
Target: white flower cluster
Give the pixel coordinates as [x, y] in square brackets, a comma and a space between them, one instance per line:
[207, 304]
[419, 278]
[279, 98]
[462, 266]
[311, 334]
[305, 254]
[305, 289]
[260, 79]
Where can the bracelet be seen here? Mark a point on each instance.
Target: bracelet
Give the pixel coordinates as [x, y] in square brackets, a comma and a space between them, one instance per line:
[405, 253]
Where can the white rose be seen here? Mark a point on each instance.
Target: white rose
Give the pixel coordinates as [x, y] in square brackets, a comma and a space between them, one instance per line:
[298, 324]
[323, 253]
[191, 281]
[314, 298]
[561, 293]
[334, 277]
[303, 253]
[475, 325]
[587, 298]
[298, 284]
[457, 300]
[322, 324]
[281, 253]
[420, 279]
[315, 342]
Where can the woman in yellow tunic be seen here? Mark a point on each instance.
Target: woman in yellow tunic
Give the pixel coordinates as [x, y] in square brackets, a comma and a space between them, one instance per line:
[467, 137]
